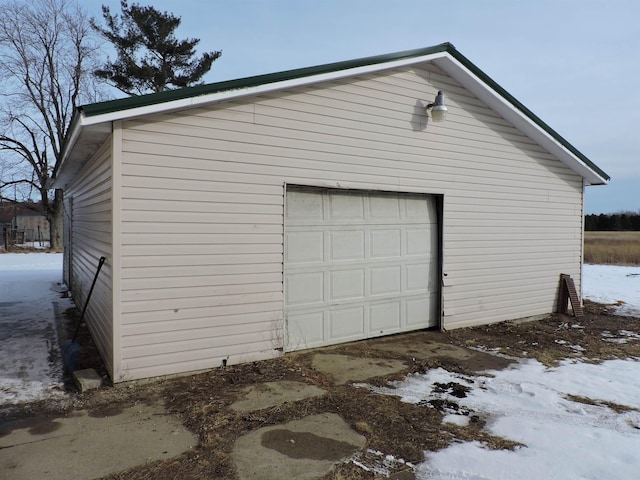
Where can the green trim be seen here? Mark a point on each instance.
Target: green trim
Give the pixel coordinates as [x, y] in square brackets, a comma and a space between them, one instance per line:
[128, 103]
[248, 82]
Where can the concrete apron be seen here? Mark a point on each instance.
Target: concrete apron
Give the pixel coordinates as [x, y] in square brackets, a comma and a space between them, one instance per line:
[83, 447]
[311, 446]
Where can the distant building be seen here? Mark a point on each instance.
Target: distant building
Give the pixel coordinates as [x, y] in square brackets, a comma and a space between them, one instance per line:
[22, 224]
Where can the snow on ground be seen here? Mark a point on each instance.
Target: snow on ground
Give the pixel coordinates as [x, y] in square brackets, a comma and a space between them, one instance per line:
[528, 404]
[38, 245]
[611, 284]
[30, 365]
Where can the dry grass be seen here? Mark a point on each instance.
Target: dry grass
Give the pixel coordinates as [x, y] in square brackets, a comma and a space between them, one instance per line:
[616, 407]
[557, 337]
[612, 248]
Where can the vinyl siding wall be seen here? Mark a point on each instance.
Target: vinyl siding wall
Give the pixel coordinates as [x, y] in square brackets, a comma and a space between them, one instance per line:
[202, 210]
[88, 202]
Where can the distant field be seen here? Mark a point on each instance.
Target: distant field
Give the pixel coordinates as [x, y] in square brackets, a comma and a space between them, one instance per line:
[612, 248]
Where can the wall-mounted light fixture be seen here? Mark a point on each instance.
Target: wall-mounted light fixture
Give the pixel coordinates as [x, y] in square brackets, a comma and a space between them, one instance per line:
[438, 109]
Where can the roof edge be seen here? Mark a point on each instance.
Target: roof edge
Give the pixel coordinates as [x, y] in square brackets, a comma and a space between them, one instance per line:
[69, 141]
[128, 103]
[519, 106]
[104, 111]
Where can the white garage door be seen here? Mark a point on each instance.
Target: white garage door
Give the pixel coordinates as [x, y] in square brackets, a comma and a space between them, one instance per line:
[358, 265]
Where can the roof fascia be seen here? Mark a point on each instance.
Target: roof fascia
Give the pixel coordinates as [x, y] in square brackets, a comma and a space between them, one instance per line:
[70, 140]
[487, 90]
[97, 116]
[81, 143]
[444, 56]
[242, 83]
[225, 95]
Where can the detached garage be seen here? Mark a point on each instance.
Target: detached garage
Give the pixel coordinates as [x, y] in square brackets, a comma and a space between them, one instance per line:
[248, 218]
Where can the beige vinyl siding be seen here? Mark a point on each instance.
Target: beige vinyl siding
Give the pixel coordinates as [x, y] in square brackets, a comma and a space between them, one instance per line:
[201, 270]
[91, 197]
[202, 209]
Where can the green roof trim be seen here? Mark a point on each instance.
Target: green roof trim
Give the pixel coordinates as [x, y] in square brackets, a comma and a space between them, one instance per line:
[248, 82]
[128, 103]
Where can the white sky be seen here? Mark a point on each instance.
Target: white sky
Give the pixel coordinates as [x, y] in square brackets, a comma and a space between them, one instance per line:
[574, 63]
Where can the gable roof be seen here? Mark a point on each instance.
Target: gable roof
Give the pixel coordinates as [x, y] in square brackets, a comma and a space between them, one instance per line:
[91, 124]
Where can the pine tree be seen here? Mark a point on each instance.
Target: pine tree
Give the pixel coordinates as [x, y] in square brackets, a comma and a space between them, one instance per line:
[150, 58]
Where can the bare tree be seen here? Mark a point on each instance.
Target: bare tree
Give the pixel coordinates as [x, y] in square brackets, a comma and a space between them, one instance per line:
[47, 55]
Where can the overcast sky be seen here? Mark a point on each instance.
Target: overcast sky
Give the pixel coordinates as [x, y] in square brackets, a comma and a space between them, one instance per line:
[574, 63]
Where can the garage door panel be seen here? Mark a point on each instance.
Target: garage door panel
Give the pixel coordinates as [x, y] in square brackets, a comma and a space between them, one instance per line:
[346, 284]
[417, 241]
[421, 307]
[385, 243]
[346, 245]
[385, 280]
[304, 247]
[417, 208]
[367, 266]
[347, 323]
[385, 317]
[417, 277]
[305, 288]
[306, 330]
[420, 243]
[384, 207]
[304, 205]
[346, 206]
[416, 308]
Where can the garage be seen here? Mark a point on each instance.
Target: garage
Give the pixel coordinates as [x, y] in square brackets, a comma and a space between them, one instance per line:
[358, 265]
[247, 218]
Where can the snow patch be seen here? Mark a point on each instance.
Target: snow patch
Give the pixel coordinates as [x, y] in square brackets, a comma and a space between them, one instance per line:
[30, 294]
[613, 285]
[460, 420]
[530, 404]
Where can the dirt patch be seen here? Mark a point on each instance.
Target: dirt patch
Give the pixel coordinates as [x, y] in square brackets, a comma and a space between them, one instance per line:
[203, 402]
[102, 411]
[434, 347]
[89, 356]
[272, 394]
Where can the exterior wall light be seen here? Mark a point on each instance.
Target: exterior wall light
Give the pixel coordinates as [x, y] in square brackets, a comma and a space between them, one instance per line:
[438, 109]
